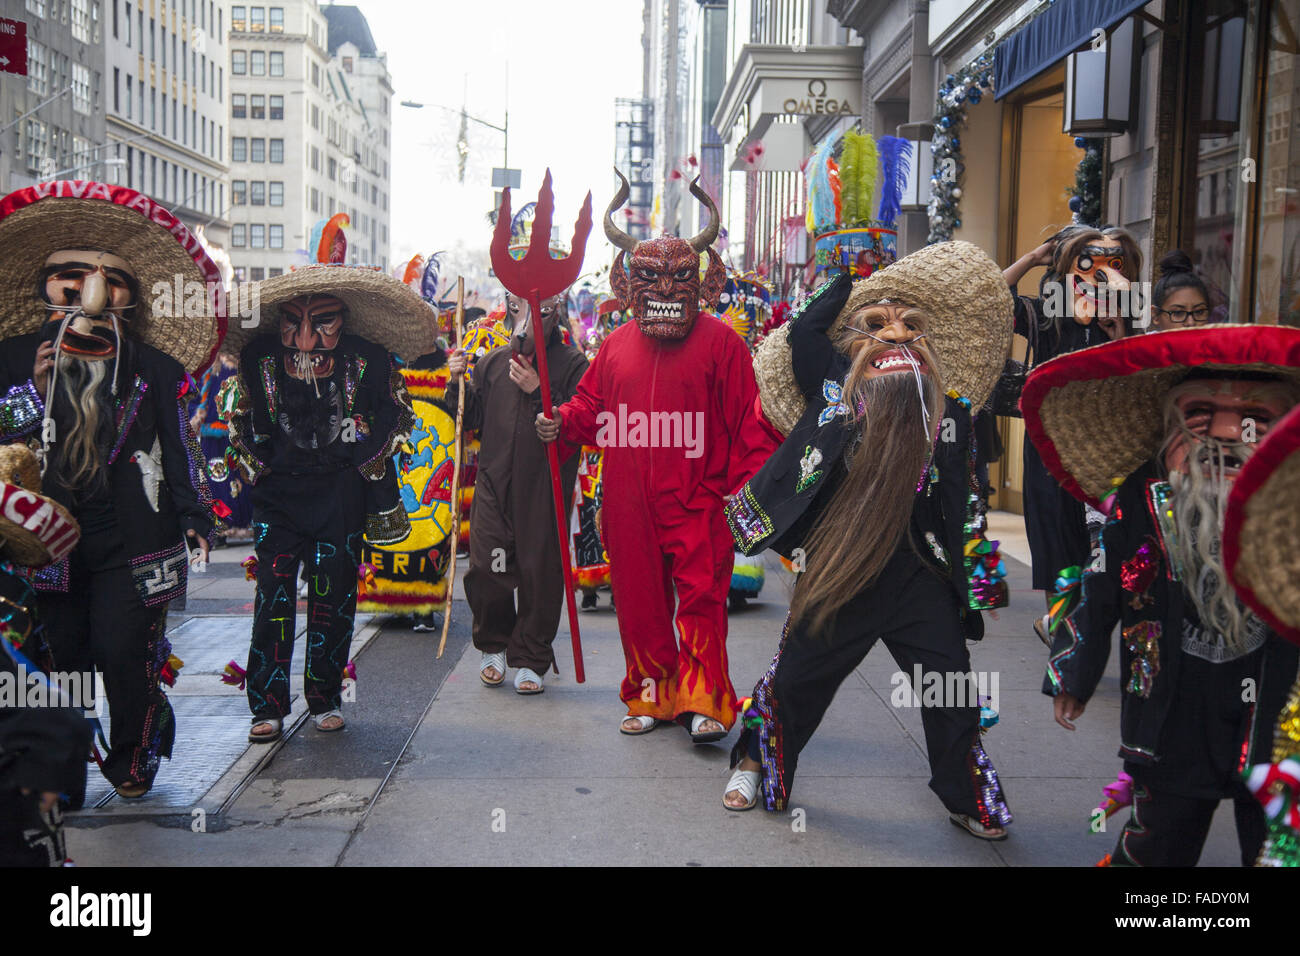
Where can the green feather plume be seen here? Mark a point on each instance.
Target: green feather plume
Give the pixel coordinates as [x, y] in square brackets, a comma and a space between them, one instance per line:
[859, 170]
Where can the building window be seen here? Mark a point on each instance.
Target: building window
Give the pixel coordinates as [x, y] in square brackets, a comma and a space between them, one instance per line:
[277, 150]
[277, 63]
[277, 107]
[315, 159]
[81, 88]
[258, 106]
[238, 149]
[273, 271]
[238, 236]
[238, 192]
[37, 135]
[277, 194]
[257, 19]
[333, 167]
[237, 19]
[256, 273]
[238, 62]
[36, 69]
[347, 64]
[257, 152]
[257, 236]
[115, 22]
[257, 193]
[277, 236]
[257, 63]
[37, 7]
[315, 117]
[238, 106]
[315, 75]
[81, 20]
[277, 19]
[128, 96]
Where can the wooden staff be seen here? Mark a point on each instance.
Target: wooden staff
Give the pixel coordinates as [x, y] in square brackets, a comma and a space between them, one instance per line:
[455, 472]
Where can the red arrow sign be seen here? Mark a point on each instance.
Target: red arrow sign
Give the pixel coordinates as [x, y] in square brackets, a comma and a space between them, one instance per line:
[13, 46]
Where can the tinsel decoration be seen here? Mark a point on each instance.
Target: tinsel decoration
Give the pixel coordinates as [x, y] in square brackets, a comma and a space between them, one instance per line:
[1116, 796]
[1085, 194]
[968, 85]
[859, 170]
[234, 675]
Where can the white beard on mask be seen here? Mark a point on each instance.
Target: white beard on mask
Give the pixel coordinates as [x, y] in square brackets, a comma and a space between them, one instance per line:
[1228, 630]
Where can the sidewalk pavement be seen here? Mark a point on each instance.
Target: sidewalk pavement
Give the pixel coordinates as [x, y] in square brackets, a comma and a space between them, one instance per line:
[491, 777]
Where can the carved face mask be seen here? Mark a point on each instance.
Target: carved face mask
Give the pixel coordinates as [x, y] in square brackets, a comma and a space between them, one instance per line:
[87, 295]
[310, 328]
[662, 286]
[1222, 422]
[519, 321]
[1097, 282]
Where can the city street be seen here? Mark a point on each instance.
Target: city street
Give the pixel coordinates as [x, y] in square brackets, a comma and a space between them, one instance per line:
[435, 769]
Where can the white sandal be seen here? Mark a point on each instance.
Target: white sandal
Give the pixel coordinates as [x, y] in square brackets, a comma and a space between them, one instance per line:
[524, 675]
[319, 719]
[744, 782]
[497, 662]
[705, 737]
[645, 724]
[977, 829]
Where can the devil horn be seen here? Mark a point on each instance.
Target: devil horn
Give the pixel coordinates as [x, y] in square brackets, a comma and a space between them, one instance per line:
[614, 234]
[705, 238]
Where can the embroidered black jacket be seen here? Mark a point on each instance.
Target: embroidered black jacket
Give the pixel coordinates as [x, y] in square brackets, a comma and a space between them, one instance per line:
[157, 483]
[1150, 611]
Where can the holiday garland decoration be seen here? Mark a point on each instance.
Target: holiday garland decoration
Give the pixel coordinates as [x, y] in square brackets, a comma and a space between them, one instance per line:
[1085, 194]
[967, 86]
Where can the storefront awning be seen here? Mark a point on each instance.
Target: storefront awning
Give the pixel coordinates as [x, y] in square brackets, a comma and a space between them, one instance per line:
[1045, 41]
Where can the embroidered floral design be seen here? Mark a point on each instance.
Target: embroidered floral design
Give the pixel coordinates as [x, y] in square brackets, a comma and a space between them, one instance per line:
[809, 473]
[833, 392]
[1143, 642]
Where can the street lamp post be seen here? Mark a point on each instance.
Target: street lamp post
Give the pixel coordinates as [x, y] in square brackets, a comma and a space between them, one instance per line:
[504, 129]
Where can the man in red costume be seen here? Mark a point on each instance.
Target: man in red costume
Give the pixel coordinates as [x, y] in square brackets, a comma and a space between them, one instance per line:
[670, 401]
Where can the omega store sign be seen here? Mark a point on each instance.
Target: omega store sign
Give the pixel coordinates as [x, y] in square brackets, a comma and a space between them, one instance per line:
[813, 96]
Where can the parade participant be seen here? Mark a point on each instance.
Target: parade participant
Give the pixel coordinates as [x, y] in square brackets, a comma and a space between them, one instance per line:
[512, 541]
[1160, 426]
[321, 411]
[669, 399]
[1179, 299]
[590, 559]
[207, 422]
[42, 748]
[108, 303]
[1261, 556]
[1072, 311]
[883, 515]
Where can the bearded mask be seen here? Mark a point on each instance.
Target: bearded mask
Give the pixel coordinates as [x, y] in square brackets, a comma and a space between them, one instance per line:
[310, 329]
[519, 321]
[87, 294]
[661, 285]
[1216, 423]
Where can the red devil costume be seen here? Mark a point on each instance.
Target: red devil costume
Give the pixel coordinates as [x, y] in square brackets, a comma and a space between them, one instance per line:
[670, 401]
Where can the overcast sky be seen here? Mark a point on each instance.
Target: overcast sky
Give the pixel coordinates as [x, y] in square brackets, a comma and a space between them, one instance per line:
[559, 67]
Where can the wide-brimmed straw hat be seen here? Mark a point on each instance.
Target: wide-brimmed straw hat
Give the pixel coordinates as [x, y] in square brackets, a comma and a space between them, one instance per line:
[381, 309]
[1261, 530]
[34, 530]
[67, 214]
[1094, 415]
[956, 285]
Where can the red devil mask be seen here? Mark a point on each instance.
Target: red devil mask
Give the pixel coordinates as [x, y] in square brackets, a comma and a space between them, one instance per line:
[661, 284]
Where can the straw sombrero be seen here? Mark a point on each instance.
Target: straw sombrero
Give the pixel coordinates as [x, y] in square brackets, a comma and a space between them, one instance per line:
[68, 214]
[1261, 530]
[381, 309]
[34, 530]
[1094, 414]
[969, 305]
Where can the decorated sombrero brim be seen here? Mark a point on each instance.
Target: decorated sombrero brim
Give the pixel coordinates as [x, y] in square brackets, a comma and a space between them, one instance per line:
[1094, 415]
[1261, 530]
[970, 308]
[34, 530]
[381, 309]
[165, 256]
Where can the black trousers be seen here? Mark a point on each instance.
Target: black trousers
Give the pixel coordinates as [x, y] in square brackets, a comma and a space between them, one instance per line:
[1168, 829]
[317, 521]
[100, 623]
[914, 613]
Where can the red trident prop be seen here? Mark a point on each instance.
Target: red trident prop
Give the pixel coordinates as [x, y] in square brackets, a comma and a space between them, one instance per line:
[536, 277]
